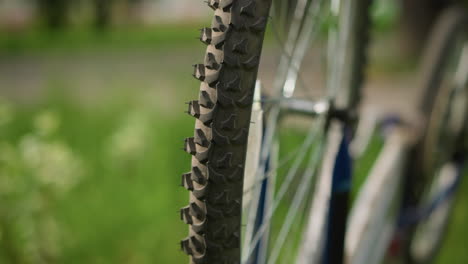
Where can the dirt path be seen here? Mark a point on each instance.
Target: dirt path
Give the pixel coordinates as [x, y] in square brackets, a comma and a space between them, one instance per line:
[162, 77]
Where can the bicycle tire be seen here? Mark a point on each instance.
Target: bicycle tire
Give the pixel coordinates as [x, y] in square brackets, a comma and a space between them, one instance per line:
[219, 143]
[451, 24]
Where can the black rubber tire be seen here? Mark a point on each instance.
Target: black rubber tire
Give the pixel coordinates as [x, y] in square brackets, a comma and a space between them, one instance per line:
[452, 22]
[222, 114]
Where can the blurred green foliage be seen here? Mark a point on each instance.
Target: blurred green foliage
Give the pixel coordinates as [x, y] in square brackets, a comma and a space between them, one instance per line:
[121, 206]
[121, 209]
[99, 183]
[82, 39]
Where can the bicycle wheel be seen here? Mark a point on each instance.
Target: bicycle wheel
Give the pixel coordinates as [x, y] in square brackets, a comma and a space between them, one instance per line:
[441, 151]
[247, 181]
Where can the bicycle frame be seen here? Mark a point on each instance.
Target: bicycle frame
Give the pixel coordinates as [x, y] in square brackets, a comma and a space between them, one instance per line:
[375, 213]
[379, 211]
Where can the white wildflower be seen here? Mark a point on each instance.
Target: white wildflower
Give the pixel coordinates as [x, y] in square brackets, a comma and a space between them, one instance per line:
[51, 163]
[129, 141]
[46, 123]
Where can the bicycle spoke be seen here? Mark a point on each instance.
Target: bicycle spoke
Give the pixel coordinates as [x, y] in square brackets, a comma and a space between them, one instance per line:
[304, 188]
[273, 114]
[311, 137]
[281, 164]
[299, 36]
[301, 32]
[248, 249]
[280, 43]
[305, 145]
[286, 83]
[288, 248]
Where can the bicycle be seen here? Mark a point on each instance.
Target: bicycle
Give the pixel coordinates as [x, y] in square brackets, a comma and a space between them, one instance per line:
[241, 209]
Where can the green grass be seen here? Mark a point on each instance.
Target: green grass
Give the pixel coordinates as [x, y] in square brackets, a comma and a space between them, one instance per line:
[82, 39]
[124, 210]
[454, 247]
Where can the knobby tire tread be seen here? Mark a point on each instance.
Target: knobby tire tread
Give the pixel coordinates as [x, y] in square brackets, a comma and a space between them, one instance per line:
[218, 148]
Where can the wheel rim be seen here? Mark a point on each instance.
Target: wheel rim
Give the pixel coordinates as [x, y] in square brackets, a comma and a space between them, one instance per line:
[303, 168]
[449, 112]
[440, 166]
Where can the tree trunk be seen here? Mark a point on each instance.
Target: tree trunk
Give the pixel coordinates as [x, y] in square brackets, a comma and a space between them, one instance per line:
[103, 12]
[54, 13]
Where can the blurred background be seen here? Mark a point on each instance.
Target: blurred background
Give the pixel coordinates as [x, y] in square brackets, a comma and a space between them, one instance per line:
[92, 97]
